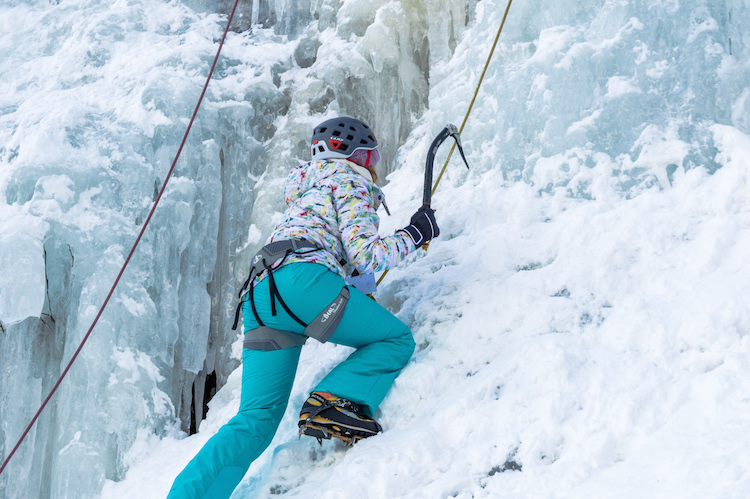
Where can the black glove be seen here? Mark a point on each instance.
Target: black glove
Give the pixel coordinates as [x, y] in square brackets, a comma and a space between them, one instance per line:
[423, 226]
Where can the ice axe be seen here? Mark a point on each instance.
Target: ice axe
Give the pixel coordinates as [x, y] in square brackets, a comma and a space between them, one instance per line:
[450, 130]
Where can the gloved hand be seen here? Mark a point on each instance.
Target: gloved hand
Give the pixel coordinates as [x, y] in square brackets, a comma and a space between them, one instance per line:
[423, 226]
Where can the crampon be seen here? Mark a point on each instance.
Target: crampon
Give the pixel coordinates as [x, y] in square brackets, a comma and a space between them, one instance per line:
[325, 416]
[320, 433]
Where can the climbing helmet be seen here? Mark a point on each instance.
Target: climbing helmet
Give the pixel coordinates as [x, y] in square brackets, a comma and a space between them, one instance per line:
[340, 138]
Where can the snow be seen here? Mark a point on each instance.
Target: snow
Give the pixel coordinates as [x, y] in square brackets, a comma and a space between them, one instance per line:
[590, 343]
[620, 85]
[581, 323]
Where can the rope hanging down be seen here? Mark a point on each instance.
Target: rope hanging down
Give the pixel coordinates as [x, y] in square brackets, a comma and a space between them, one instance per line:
[476, 92]
[132, 250]
[468, 112]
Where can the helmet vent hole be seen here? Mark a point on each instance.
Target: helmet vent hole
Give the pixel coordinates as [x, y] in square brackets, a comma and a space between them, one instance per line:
[320, 148]
[343, 147]
[363, 141]
[349, 137]
[336, 133]
[371, 138]
[322, 130]
[352, 129]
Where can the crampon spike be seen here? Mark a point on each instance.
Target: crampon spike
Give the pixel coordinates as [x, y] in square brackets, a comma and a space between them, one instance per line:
[320, 433]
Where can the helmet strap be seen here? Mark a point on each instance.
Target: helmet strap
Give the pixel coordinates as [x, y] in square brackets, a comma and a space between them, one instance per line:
[367, 163]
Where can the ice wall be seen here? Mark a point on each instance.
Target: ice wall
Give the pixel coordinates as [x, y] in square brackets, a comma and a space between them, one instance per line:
[597, 101]
[621, 79]
[581, 323]
[94, 98]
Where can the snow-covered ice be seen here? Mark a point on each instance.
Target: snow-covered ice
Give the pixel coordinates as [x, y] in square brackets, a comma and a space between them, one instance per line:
[582, 322]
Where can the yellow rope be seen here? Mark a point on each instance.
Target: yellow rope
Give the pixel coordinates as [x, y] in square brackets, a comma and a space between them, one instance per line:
[473, 99]
[468, 112]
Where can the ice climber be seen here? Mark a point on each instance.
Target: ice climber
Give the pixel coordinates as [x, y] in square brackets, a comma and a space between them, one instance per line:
[297, 289]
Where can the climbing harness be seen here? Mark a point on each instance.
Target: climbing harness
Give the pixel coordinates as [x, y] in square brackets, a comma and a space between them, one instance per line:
[466, 118]
[132, 250]
[270, 258]
[263, 262]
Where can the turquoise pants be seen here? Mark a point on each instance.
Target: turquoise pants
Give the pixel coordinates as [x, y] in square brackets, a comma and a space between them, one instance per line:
[383, 347]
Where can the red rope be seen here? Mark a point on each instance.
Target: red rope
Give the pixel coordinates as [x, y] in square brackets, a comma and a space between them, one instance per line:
[132, 250]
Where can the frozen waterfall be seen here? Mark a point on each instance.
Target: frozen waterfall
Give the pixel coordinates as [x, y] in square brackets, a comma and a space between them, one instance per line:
[582, 318]
[94, 100]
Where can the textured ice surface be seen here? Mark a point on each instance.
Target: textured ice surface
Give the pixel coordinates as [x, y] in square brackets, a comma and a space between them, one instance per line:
[22, 283]
[94, 98]
[582, 314]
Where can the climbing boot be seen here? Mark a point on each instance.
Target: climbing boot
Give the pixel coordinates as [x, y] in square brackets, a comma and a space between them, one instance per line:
[324, 416]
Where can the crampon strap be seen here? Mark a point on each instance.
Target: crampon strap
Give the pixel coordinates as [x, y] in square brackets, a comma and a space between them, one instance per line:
[325, 404]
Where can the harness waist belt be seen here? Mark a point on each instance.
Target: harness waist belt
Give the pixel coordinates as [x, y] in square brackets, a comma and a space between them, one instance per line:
[263, 261]
[266, 338]
[275, 251]
[321, 328]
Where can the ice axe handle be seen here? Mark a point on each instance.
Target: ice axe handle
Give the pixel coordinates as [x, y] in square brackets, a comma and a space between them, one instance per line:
[450, 130]
[425, 206]
[430, 164]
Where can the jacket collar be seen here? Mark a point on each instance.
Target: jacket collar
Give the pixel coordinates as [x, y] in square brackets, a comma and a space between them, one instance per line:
[359, 169]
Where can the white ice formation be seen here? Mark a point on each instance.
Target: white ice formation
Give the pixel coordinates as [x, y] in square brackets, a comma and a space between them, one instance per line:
[583, 316]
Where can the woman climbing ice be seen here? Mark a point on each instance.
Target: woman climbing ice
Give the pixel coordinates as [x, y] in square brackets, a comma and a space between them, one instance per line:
[297, 289]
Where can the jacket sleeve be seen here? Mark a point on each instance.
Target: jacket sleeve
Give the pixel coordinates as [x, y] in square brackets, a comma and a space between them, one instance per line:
[365, 250]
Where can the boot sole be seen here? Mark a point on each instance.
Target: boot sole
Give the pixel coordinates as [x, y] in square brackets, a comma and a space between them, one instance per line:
[321, 432]
[331, 426]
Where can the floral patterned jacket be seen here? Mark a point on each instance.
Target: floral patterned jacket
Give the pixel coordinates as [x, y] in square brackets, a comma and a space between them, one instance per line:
[331, 205]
